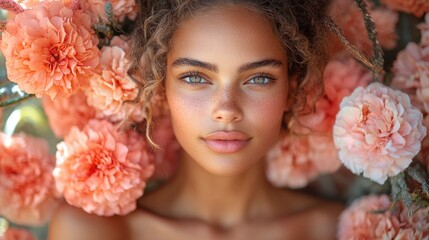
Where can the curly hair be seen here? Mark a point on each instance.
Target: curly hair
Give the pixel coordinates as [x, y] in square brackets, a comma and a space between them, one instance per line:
[297, 23]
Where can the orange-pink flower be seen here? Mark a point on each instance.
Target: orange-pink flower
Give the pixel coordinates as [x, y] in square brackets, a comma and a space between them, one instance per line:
[27, 191]
[17, 234]
[416, 7]
[296, 160]
[121, 9]
[341, 77]
[424, 29]
[111, 85]
[167, 156]
[31, 3]
[102, 170]
[411, 74]
[362, 221]
[50, 49]
[64, 113]
[378, 132]
[423, 156]
[348, 16]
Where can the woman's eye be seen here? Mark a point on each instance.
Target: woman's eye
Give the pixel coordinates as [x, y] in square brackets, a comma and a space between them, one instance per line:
[194, 79]
[261, 80]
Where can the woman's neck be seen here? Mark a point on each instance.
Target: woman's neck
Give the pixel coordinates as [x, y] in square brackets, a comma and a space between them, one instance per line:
[221, 200]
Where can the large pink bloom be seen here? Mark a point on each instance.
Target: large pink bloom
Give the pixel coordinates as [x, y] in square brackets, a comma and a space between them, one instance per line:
[64, 113]
[27, 191]
[378, 132]
[111, 85]
[362, 221]
[102, 170]
[341, 77]
[411, 74]
[416, 7]
[296, 160]
[120, 8]
[50, 49]
[17, 234]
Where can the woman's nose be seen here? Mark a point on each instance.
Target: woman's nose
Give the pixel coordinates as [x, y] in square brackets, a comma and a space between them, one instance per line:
[227, 107]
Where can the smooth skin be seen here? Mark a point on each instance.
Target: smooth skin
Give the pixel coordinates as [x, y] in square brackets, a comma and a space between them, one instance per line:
[226, 71]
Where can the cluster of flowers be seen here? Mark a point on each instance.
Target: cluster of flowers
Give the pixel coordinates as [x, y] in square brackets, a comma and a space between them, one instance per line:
[53, 51]
[368, 127]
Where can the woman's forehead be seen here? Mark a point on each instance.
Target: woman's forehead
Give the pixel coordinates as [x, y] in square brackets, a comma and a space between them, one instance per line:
[227, 32]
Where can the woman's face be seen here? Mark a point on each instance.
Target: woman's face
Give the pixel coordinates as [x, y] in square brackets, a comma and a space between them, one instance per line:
[226, 86]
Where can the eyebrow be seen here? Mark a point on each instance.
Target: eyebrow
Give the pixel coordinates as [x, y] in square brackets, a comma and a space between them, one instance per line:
[212, 67]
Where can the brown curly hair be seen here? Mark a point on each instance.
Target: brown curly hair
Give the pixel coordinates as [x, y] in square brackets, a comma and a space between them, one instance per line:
[298, 24]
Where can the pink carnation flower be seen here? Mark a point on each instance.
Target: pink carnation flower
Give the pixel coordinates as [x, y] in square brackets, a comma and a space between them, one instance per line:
[341, 77]
[378, 132]
[294, 161]
[27, 191]
[167, 156]
[348, 16]
[423, 156]
[411, 69]
[64, 113]
[17, 234]
[50, 49]
[385, 22]
[424, 29]
[416, 7]
[361, 221]
[120, 8]
[111, 85]
[31, 3]
[101, 170]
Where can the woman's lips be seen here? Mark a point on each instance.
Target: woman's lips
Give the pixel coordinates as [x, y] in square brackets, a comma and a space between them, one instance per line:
[226, 142]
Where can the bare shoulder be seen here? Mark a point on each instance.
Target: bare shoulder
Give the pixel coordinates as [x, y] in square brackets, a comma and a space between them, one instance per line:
[311, 212]
[325, 217]
[72, 223]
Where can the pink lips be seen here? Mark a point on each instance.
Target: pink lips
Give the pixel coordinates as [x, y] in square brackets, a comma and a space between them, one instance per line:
[226, 142]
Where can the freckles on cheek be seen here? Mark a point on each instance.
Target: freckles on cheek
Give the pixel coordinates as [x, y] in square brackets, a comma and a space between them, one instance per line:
[186, 111]
[270, 110]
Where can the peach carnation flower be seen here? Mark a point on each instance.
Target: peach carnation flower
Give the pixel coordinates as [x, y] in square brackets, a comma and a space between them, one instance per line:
[32, 3]
[167, 156]
[349, 18]
[27, 191]
[416, 7]
[411, 69]
[362, 221]
[50, 49]
[296, 160]
[423, 156]
[120, 8]
[17, 234]
[101, 170]
[64, 113]
[378, 132]
[424, 29]
[111, 85]
[341, 77]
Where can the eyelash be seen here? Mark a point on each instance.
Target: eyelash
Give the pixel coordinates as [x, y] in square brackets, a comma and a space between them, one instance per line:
[270, 78]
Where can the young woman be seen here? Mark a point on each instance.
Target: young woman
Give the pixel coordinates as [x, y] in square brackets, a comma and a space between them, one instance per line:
[230, 71]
